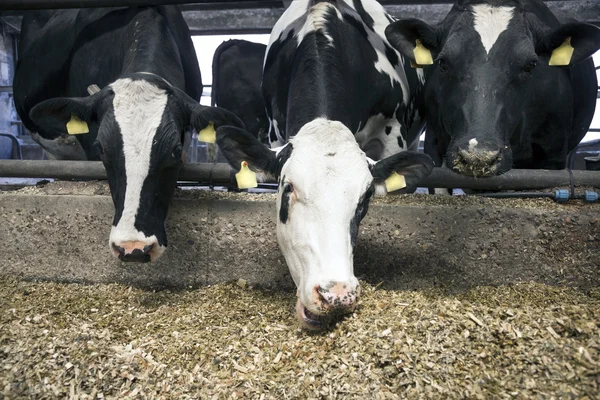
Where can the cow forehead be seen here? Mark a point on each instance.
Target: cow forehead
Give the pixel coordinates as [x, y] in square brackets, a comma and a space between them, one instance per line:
[326, 158]
[489, 22]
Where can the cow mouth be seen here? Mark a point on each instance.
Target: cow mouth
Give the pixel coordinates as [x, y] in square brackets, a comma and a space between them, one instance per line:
[318, 322]
[309, 320]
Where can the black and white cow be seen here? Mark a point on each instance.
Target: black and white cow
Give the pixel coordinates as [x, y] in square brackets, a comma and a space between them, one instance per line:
[237, 74]
[144, 61]
[493, 102]
[338, 96]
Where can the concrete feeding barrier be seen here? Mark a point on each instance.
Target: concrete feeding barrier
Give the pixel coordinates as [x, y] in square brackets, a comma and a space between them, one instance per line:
[60, 233]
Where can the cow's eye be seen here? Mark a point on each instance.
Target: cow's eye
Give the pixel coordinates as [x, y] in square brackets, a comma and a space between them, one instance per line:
[530, 66]
[287, 188]
[443, 64]
[176, 152]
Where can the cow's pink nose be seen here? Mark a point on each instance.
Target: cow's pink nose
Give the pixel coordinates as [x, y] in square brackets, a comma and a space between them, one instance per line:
[336, 295]
[134, 251]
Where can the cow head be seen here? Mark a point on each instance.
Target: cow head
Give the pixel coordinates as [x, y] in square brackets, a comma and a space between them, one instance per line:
[325, 184]
[140, 122]
[488, 58]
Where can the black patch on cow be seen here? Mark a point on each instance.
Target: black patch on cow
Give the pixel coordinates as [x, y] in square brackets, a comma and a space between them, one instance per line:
[284, 211]
[283, 156]
[364, 15]
[358, 25]
[361, 210]
[391, 55]
[388, 130]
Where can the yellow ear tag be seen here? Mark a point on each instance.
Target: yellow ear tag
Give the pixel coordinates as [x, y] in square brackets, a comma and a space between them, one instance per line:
[415, 65]
[422, 54]
[75, 126]
[562, 54]
[208, 134]
[395, 182]
[246, 178]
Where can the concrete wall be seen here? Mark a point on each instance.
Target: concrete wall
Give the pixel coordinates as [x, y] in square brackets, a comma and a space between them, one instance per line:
[406, 244]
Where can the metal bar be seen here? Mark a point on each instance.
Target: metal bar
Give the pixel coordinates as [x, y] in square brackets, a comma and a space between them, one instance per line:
[260, 18]
[15, 142]
[53, 4]
[516, 179]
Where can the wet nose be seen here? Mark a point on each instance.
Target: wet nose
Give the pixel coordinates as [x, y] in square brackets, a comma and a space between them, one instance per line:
[134, 251]
[336, 295]
[477, 162]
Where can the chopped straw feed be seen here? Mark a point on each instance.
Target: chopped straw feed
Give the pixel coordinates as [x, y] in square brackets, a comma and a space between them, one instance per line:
[231, 341]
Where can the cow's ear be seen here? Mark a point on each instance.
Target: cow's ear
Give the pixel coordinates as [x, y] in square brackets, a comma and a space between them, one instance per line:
[201, 116]
[401, 173]
[54, 115]
[404, 34]
[568, 44]
[238, 145]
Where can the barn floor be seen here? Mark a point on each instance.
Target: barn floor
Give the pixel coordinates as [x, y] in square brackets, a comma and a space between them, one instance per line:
[226, 341]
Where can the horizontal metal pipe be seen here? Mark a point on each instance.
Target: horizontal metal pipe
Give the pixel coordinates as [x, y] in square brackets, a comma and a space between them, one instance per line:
[52, 4]
[222, 174]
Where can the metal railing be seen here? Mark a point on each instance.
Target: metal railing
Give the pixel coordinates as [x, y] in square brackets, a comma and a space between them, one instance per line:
[222, 174]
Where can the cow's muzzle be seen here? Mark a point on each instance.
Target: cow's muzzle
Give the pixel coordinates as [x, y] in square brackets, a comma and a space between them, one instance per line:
[135, 251]
[479, 162]
[329, 302]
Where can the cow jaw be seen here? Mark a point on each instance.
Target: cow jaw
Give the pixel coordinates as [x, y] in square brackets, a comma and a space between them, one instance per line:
[321, 184]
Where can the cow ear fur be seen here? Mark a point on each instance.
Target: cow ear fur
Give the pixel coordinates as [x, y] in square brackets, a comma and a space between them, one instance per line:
[403, 35]
[200, 116]
[54, 114]
[412, 165]
[238, 145]
[585, 39]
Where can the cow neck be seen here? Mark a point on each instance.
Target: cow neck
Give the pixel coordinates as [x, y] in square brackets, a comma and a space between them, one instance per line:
[315, 88]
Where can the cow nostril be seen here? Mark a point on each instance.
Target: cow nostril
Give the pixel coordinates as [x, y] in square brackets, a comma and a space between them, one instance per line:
[320, 297]
[119, 251]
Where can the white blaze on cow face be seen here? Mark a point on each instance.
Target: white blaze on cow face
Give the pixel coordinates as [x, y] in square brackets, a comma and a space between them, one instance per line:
[490, 22]
[322, 184]
[138, 107]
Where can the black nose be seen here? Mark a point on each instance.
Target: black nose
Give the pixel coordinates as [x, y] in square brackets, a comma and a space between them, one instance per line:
[135, 255]
[477, 162]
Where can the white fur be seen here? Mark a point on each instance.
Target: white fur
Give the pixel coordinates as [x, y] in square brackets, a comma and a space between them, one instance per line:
[472, 144]
[329, 173]
[139, 107]
[316, 21]
[490, 22]
[374, 131]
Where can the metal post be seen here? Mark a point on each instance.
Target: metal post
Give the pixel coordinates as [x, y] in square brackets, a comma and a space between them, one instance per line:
[221, 173]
